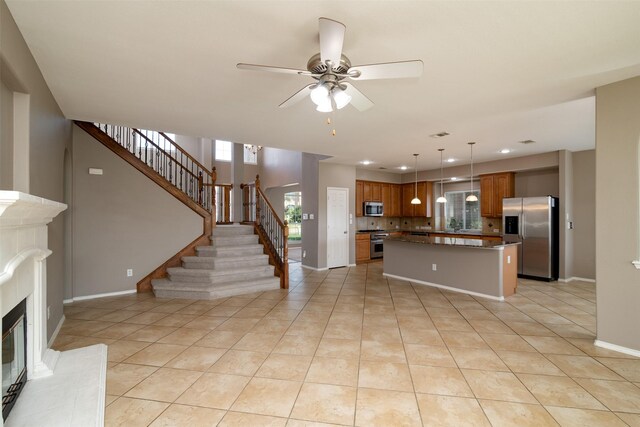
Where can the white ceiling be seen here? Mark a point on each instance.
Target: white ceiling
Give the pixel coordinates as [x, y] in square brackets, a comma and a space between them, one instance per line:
[494, 72]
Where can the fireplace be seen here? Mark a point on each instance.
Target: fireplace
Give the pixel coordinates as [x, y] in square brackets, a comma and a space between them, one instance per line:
[14, 356]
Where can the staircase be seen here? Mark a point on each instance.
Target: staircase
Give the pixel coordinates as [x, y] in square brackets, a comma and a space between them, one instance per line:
[234, 264]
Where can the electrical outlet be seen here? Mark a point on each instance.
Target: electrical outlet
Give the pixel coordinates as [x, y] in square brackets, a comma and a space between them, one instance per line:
[434, 267]
[129, 272]
[496, 230]
[304, 254]
[48, 312]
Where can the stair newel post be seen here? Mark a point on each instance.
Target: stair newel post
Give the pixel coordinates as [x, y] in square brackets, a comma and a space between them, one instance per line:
[214, 207]
[257, 190]
[284, 282]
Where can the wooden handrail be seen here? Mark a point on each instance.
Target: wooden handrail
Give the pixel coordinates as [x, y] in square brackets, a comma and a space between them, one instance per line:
[274, 235]
[149, 141]
[278, 220]
[184, 152]
[200, 205]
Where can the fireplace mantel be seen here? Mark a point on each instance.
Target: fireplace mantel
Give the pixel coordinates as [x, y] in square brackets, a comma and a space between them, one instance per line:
[23, 271]
[23, 232]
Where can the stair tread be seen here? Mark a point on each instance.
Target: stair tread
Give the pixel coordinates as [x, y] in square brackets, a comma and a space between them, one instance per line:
[212, 272]
[247, 257]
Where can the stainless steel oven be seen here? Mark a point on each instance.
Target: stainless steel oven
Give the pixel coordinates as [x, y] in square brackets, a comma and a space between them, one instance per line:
[377, 243]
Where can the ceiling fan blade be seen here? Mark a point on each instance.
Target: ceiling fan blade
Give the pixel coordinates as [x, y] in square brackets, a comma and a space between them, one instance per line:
[358, 99]
[388, 70]
[254, 67]
[331, 40]
[297, 97]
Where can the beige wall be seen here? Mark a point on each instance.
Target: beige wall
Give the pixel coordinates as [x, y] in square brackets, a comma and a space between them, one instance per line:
[333, 175]
[377, 175]
[584, 214]
[121, 220]
[617, 212]
[537, 183]
[49, 134]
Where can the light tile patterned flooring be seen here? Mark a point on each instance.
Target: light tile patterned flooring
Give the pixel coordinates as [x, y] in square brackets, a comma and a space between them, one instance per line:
[349, 347]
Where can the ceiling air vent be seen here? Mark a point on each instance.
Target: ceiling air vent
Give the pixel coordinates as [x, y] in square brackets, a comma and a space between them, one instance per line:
[381, 167]
[439, 134]
[527, 141]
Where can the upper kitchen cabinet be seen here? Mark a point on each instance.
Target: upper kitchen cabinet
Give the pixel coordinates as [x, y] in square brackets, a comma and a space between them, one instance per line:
[425, 194]
[372, 191]
[359, 197]
[389, 194]
[396, 200]
[407, 194]
[494, 188]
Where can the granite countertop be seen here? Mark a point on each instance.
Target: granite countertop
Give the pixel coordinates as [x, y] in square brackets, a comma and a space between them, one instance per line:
[450, 241]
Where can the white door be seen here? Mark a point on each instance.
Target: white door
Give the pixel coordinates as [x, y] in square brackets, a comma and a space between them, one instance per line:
[337, 227]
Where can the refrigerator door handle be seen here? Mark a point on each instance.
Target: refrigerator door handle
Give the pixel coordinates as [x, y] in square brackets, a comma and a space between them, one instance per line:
[522, 227]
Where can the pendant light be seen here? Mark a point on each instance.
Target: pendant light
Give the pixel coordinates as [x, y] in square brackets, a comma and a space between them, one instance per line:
[441, 199]
[471, 197]
[415, 200]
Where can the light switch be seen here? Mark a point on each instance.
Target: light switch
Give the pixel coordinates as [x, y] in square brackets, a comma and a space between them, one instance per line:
[95, 171]
[305, 216]
[508, 259]
[311, 216]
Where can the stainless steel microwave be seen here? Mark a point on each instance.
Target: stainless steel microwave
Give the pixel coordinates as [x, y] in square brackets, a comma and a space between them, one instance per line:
[373, 209]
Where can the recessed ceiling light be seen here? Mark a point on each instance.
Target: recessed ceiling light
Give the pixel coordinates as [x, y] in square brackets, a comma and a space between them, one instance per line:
[453, 178]
[439, 134]
[451, 160]
[505, 151]
[404, 168]
[366, 162]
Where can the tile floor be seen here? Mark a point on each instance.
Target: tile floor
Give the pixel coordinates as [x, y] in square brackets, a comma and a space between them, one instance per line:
[349, 347]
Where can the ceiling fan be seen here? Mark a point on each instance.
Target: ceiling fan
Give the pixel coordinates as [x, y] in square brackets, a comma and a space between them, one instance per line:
[332, 71]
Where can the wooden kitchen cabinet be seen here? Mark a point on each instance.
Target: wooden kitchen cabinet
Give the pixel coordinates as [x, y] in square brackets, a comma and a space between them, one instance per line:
[425, 194]
[396, 200]
[371, 191]
[359, 198]
[376, 192]
[363, 247]
[494, 188]
[408, 191]
[385, 198]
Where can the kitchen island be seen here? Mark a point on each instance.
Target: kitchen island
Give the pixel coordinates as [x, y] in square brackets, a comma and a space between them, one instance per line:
[473, 266]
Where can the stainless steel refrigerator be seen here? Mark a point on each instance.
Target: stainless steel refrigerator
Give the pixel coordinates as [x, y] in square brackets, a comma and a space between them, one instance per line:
[533, 222]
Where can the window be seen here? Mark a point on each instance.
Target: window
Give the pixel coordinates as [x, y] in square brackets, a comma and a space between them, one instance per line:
[250, 157]
[223, 150]
[293, 214]
[460, 214]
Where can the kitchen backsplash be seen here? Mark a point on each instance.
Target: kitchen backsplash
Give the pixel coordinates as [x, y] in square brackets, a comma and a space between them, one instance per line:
[489, 225]
[393, 223]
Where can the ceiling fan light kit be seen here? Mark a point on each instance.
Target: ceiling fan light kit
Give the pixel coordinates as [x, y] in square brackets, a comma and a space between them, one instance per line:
[331, 69]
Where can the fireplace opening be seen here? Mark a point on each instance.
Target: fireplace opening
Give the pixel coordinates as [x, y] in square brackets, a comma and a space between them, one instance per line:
[14, 356]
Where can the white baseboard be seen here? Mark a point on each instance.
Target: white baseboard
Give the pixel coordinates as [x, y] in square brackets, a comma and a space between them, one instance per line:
[351, 265]
[581, 279]
[636, 264]
[55, 333]
[618, 348]
[313, 268]
[108, 294]
[448, 288]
